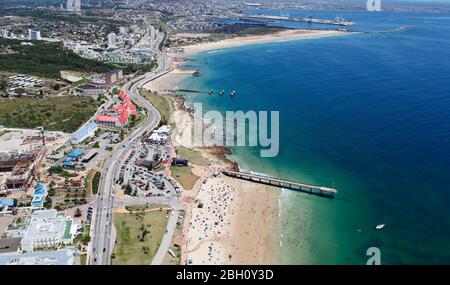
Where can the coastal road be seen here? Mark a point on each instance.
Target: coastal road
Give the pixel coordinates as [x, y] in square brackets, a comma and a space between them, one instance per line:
[167, 238]
[103, 239]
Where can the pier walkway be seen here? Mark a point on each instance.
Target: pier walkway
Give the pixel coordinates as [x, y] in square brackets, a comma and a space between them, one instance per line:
[307, 188]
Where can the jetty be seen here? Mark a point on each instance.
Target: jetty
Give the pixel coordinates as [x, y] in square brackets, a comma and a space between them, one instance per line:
[398, 30]
[191, 91]
[337, 22]
[277, 182]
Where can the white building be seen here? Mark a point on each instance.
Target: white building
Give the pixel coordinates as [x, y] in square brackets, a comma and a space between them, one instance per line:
[49, 228]
[3, 33]
[156, 138]
[112, 40]
[165, 130]
[74, 5]
[56, 257]
[85, 132]
[123, 30]
[34, 35]
[161, 135]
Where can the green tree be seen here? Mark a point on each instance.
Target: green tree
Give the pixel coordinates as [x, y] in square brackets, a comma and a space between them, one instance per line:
[78, 213]
[4, 87]
[48, 202]
[128, 190]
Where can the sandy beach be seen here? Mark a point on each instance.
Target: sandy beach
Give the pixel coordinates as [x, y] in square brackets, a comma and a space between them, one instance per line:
[227, 221]
[287, 35]
[170, 81]
[231, 222]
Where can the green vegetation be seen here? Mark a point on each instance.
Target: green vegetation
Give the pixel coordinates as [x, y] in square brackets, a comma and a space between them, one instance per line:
[84, 238]
[136, 120]
[88, 180]
[54, 16]
[249, 30]
[139, 235]
[62, 113]
[184, 176]
[169, 259]
[83, 259]
[140, 68]
[128, 190]
[60, 171]
[96, 182]
[192, 155]
[162, 104]
[45, 59]
[47, 202]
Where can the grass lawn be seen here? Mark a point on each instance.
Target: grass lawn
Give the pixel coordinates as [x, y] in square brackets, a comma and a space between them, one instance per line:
[192, 155]
[89, 178]
[83, 259]
[135, 121]
[84, 237]
[184, 175]
[62, 113]
[95, 182]
[168, 258]
[162, 104]
[131, 248]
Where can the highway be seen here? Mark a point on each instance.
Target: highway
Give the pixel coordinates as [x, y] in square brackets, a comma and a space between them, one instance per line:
[103, 238]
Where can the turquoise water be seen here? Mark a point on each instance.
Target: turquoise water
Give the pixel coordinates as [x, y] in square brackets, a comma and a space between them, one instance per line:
[367, 113]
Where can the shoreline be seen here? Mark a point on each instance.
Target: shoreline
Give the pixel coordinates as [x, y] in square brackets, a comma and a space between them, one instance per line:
[283, 36]
[222, 231]
[238, 222]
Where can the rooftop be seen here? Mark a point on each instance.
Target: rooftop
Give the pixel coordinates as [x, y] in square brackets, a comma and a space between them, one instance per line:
[84, 131]
[56, 257]
[75, 153]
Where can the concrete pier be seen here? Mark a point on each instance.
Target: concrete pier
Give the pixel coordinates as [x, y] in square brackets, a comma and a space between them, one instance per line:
[297, 186]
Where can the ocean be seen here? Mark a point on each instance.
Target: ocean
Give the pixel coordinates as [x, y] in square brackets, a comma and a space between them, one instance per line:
[368, 114]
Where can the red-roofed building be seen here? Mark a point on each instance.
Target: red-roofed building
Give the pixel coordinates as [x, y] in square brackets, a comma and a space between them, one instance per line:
[122, 95]
[105, 120]
[123, 119]
[132, 109]
[123, 112]
[121, 109]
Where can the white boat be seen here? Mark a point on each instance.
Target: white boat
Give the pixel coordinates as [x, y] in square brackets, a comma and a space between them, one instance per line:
[380, 226]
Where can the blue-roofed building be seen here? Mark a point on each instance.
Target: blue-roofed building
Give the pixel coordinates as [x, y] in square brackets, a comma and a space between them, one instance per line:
[39, 194]
[76, 153]
[83, 133]
[69, 164]
[40, 189]
[6, 206]
[6, 202]
[38, 201]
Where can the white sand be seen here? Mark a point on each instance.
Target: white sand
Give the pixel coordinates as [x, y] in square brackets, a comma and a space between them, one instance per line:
[276, 37]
